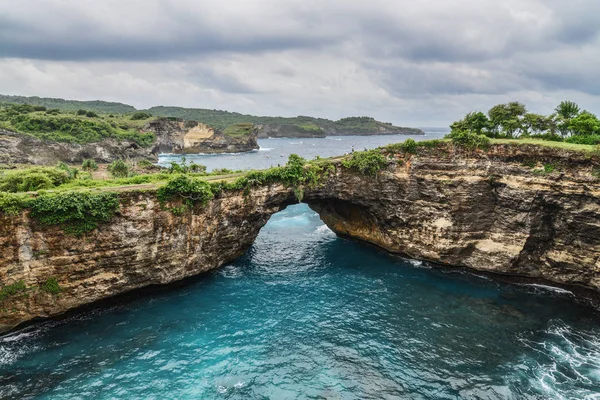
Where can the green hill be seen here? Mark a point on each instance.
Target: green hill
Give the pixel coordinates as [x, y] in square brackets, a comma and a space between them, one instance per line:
[301, 126]
[98, 106]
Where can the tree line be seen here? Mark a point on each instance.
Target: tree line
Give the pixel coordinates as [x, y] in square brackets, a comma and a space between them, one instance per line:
[567, 123]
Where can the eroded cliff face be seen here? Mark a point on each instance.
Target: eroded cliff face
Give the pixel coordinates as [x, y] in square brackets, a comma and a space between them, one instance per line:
[501, 212]
[523, 211]
[191, 137]
[16, 148]
[171, 137]
[143, 245]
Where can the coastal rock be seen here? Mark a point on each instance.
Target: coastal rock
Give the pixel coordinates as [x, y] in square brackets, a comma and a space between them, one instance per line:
[177, 137]
[504, 211]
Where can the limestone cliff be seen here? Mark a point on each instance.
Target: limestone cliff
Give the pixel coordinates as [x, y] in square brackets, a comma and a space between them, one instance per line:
[518, 210]
[190, 137]
[171, 137]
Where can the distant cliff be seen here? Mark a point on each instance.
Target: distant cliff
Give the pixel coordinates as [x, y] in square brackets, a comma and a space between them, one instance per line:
[170, 137]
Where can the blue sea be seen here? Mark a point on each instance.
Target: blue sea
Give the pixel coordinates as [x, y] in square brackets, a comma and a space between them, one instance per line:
[307, 315]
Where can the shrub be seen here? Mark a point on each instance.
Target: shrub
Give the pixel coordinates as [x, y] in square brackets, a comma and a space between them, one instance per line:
[32, 179]
[81, 112]
[367, 162]
[584, 139]
[190, 190]
[72, 172]
[118, 169]
[91, 114]
[550, 136]
[51, 286]
[11, 290]
[409, 146]
[89, 165]
[75, 212]
[469, 140]
[140, 115]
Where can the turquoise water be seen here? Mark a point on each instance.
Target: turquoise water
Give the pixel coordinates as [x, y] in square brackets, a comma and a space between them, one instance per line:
[306, 315]
[276, 151]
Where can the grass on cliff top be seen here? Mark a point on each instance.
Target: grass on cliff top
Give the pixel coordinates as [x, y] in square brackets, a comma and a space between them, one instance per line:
[547, 143]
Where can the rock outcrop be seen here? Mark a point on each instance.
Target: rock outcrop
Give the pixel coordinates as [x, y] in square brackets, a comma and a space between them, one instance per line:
[192, 137]
[518, 210]
[171, 137]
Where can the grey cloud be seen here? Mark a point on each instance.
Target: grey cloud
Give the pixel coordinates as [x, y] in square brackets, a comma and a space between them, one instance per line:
[338, 57]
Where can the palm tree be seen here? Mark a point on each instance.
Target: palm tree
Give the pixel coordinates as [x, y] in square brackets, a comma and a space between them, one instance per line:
[567, 109]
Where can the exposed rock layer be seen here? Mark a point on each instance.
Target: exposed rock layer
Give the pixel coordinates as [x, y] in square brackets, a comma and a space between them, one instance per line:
[171, 137]
[489, 212]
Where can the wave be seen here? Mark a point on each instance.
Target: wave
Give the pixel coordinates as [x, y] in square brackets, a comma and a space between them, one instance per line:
[547, 288]
[265, 149]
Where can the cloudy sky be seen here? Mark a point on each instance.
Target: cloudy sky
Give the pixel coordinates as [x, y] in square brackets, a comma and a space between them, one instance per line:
[416, 63]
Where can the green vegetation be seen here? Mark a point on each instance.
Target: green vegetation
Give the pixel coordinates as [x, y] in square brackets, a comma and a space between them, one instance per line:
[119, 169]
[32, 179]
[75, 212]
[239, 129]
[11, 290]
[76, 127]
[140, 115]
[511, 120]
[469, 140]
[103, 107]
[51, 286]
[220, 120]
[368, 162]
[89, 165]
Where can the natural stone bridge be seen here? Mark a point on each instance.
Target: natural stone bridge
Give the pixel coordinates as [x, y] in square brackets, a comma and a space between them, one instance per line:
[496, 211]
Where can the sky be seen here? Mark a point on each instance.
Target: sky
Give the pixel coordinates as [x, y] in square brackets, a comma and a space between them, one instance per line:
[412, 63]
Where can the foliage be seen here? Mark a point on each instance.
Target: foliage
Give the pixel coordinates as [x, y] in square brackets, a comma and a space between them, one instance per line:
[367, 162]
[32, 179]
[89, 165]
[76, 212]
[584, 139]
[190, 190]
[140, 115]
[12, 204]
[183, 168]
[12, 289]
[118, 169]
[80, 127]
[585, 123]
[220, 120]
[512, 120]
[51, 286]
[239, 129]
[70, 105]
[469, 140]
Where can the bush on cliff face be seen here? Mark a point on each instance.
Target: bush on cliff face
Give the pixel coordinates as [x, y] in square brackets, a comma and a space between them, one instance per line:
[190, 190]
[76, 212]
[368, 162]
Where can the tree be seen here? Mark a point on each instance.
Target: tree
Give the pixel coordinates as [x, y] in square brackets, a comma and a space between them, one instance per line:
[89, 165]
[476, 122]
[567, 109]
[585, 123]
[506, 118]
[537, 124]
[565, 112]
